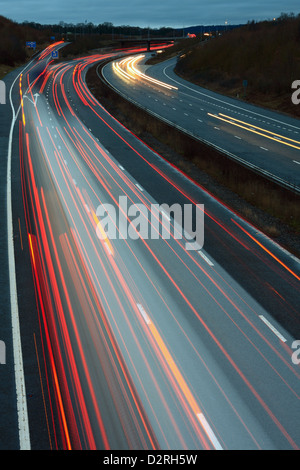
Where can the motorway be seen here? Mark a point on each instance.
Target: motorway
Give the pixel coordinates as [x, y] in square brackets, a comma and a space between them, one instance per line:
[261, 139]
[141, 343]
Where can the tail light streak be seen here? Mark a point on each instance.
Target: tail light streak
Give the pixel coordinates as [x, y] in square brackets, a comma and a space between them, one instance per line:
[133, 303]
[177, 287]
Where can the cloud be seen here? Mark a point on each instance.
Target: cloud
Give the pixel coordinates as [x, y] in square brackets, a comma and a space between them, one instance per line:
[154, 13]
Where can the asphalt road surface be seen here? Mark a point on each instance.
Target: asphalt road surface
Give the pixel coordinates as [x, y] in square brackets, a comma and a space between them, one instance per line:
[136, 341]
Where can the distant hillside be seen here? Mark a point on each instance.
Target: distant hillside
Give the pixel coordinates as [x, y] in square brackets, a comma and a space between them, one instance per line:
[11, 48]
[257, 62]
[13, 41]
[200, 29]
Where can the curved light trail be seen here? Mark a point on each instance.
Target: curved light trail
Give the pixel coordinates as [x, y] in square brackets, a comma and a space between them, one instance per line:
[127, 68]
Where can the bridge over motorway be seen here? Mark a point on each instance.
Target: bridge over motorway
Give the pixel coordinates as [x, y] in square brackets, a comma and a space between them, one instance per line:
[148, 41]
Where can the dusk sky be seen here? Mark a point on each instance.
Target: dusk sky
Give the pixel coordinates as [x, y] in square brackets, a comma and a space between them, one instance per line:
[153, 13]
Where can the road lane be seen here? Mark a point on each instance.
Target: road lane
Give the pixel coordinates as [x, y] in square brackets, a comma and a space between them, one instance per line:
[155, 347]
[266, 140]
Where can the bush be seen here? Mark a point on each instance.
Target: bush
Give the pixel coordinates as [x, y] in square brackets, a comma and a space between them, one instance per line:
[266, 54]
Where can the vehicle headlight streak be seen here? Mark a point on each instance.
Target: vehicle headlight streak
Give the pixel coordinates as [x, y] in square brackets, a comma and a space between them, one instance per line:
[257, 130]
[117, 67]
[127, 69]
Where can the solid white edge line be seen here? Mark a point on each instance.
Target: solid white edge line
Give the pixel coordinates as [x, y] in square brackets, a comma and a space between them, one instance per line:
[272, 328]
[209, 432]
[24, 436]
